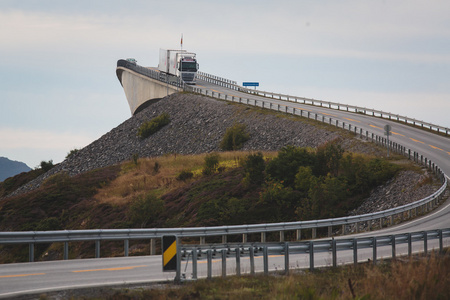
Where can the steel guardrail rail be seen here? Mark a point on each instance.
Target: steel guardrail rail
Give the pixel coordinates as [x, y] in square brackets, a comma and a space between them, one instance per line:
[328, 104]
[209, 252]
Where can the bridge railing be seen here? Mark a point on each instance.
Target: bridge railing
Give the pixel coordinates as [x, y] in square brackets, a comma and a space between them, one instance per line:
[332, 105]
[221, 252]
[168, 79]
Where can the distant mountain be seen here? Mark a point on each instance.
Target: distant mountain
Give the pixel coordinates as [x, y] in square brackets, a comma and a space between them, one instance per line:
[10, 168]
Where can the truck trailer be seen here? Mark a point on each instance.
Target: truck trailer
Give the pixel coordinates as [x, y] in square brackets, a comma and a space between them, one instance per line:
[179, 63]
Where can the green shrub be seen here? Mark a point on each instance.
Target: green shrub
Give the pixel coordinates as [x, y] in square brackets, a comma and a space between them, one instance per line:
[47, 165]
[285, 166]
[185, 175]
[72, 153]
[135, 158]
[211, 163]
[234, 137]
[254, 166]
[145, 209]
[150, 127]
[156, 167]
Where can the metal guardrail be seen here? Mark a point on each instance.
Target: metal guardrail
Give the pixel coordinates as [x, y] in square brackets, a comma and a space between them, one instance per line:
[328, 104]
[168, 79]
[333, 246]
[97, 235]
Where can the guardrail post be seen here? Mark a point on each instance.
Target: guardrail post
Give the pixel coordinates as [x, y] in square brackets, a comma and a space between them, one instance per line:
[31, 252]
[298, 234]
[334, 252]
[152, 246]
[224, 239]
[126, 244]
[202, 240]
[314, 233]
[286, 258]
[238, 261]
[224, 263]
[330, 231]
[97, 249]
[409, 237]
[311, 255]
[281, 236]
[66, 250]
[244, 238]
[263, 237]
[251, 251]
[209, 263]
[425, 243]
[265, 261]
[194, 263]
[393, 246]
[355, 252]
[374, 250]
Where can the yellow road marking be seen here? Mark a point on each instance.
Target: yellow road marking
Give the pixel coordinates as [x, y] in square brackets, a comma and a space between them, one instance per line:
[437, 148]
[397, 133]
[215, 91]
[352, 120]
[328, 114]
[375, 126]
[21, 275]
[414, 140]
[448, 153]
[110, 269]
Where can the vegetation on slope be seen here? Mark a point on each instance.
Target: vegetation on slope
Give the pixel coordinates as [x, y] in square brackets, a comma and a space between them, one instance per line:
[220, 189]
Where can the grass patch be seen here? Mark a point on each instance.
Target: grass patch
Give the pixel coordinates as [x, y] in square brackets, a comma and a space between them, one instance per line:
[150, 127]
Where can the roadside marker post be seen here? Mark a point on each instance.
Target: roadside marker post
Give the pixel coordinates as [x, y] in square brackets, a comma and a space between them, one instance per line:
[387, 133]
[171, 255]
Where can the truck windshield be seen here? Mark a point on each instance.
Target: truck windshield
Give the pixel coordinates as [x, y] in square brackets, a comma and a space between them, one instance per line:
[190, 66]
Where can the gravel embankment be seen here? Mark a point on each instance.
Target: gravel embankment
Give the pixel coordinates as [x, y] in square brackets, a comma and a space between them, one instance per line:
[198, 124]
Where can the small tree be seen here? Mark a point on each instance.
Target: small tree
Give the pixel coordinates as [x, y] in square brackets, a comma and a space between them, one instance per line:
[47, 165]
[254, 166]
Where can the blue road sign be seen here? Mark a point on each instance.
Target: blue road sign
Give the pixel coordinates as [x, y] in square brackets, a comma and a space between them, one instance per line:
[250, 84]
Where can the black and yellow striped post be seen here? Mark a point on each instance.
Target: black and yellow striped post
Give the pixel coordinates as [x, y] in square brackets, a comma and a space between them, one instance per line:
[170, 255]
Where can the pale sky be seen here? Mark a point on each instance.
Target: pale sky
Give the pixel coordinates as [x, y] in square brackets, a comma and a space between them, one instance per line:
[59, 90]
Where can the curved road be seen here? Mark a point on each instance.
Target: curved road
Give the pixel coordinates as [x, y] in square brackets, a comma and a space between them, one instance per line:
[39, 277]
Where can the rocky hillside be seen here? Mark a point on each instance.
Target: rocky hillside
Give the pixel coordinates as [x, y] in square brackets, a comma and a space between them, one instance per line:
[197, 125]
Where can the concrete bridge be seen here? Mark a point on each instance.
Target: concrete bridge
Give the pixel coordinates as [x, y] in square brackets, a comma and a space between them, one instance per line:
[144, 84]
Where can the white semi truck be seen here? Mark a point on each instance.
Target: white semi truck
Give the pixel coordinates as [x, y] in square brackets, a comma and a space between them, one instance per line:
[179, 63]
